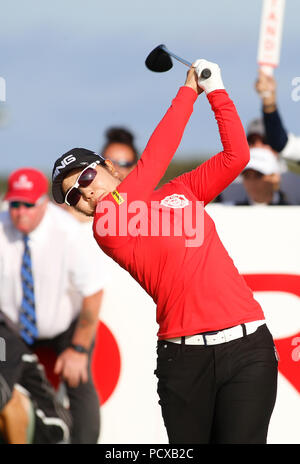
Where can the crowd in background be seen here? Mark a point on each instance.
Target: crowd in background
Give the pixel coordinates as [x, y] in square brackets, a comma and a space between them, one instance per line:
[271, 177]
[60, 286]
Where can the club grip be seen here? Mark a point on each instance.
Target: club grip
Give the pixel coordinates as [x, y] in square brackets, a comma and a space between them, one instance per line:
[206, 73]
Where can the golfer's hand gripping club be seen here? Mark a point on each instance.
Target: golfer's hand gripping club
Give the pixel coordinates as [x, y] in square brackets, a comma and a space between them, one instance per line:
[205, 74]
[213, 81]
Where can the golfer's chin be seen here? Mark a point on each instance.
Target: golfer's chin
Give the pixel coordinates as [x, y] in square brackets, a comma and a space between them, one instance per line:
[88, 209]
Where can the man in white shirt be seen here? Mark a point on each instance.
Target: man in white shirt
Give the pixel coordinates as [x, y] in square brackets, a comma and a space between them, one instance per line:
[51, 288]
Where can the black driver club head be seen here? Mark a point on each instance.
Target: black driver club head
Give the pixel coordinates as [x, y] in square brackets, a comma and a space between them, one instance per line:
[158, 60]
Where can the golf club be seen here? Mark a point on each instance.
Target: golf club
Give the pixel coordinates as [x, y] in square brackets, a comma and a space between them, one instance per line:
[159, 60]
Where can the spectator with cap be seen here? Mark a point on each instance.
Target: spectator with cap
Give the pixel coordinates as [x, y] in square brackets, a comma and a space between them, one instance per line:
[261, 179]
[51, 295]
[284, 142]
[262, 176]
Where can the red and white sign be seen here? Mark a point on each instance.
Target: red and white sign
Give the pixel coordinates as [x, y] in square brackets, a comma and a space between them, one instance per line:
[270, 35]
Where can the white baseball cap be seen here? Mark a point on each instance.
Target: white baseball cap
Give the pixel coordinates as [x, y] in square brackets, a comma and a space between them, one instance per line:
[264, 161]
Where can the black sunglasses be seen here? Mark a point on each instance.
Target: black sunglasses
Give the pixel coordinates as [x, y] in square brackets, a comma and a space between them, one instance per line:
[123, 163]
[85, 178]
[17, 204]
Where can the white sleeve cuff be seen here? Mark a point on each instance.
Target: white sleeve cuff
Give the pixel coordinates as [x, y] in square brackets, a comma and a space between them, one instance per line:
[292, 149]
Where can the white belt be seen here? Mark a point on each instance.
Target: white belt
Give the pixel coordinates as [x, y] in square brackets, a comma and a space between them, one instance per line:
[222, 336]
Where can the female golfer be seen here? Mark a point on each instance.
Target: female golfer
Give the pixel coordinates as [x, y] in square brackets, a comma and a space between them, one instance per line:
[216, 366]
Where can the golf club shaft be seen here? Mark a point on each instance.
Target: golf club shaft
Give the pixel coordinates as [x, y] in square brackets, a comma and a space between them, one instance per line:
[176, 57]
[205, 73]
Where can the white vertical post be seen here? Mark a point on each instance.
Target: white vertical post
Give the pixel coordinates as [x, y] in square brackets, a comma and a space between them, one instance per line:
[2, 89]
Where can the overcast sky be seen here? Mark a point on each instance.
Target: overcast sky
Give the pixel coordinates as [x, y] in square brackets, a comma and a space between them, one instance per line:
[75, 67]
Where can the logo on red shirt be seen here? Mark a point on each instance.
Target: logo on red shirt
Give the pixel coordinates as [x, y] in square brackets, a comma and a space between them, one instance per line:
[175, 201]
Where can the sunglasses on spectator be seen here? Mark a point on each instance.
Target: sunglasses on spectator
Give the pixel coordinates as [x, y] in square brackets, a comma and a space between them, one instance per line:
[26, 204]
[85, 178]
[123, 163]
[17, 204]
[252, 174]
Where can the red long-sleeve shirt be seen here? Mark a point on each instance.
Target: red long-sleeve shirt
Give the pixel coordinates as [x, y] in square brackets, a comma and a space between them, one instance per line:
[192, 279]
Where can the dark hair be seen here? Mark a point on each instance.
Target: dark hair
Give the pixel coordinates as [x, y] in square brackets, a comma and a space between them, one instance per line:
[120, 135]
[253, 138]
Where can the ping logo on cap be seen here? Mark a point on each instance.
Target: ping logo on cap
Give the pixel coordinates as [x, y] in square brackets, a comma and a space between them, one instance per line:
[117, 197]
[23, 183]
[65, 161]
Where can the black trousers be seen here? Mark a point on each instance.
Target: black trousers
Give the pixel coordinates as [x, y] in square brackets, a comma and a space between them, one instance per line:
[219, 393]
[84, 402]
[21, 367]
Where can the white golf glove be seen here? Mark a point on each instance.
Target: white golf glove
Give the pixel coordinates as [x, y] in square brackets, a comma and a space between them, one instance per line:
[214, 82]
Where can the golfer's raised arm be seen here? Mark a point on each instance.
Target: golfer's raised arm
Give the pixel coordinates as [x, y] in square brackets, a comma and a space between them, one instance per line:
[162, 145]
[215, 174]
[141, 182]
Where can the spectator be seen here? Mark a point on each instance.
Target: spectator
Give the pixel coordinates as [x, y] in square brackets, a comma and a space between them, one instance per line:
[120, 149]
[29, 410]
[64, 303]
[261, 179]
[287, 144]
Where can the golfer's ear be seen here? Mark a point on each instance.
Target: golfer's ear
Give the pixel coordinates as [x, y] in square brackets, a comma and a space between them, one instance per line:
[110, 166]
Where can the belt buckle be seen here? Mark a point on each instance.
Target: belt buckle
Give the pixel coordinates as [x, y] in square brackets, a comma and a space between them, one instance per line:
[209, 334]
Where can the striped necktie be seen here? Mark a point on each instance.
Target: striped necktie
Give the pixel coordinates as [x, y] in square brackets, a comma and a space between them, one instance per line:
[27, 313]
